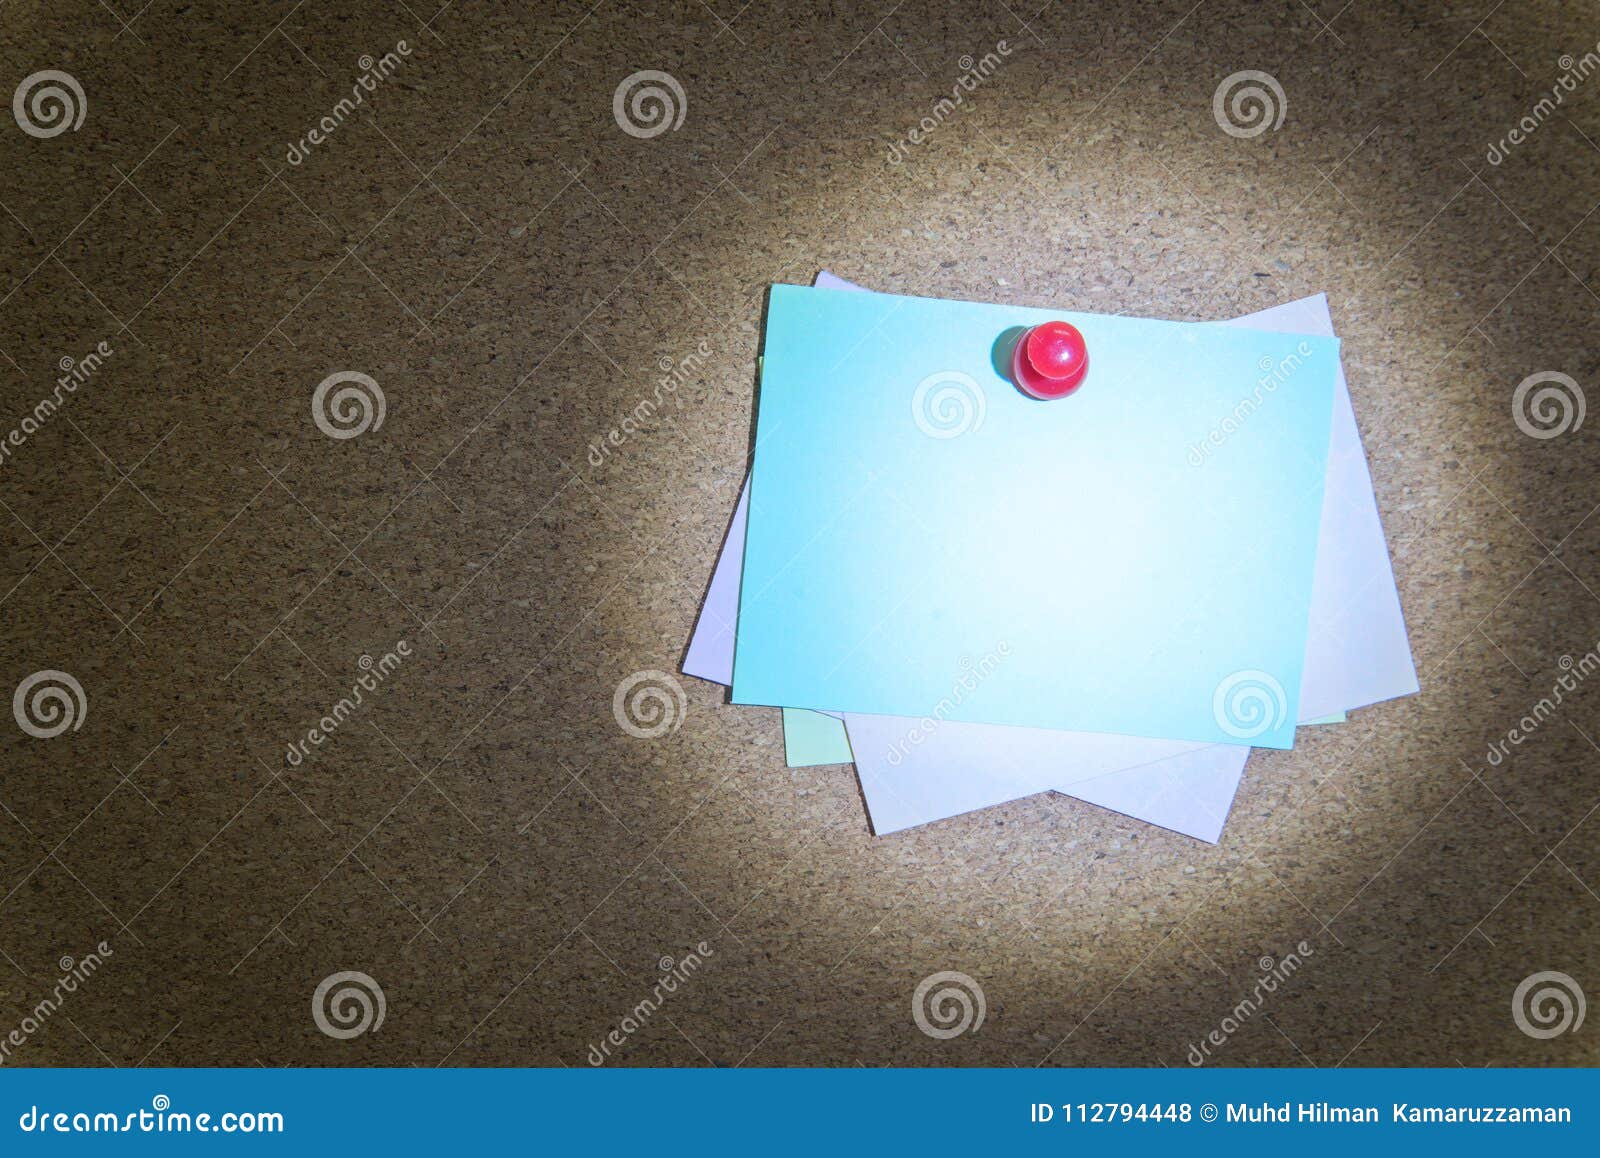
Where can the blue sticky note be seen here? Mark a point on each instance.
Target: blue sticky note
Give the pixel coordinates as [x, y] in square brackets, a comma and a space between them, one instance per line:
[924, 540]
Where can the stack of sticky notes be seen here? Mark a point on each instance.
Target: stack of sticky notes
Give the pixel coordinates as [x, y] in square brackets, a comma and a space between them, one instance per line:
[974, 595]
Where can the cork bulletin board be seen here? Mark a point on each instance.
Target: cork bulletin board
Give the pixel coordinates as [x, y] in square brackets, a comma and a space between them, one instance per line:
[377, 389]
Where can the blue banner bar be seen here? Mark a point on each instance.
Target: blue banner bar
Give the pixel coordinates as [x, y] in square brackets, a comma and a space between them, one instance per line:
[797, 1111]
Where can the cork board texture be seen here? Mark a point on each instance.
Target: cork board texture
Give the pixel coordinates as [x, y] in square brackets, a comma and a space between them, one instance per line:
[316, 322]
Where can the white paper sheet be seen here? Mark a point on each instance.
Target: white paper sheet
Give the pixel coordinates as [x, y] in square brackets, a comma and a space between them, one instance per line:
[1357, 654]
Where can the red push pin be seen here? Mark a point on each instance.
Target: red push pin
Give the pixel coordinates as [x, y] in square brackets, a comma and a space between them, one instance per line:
[1050, 361]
